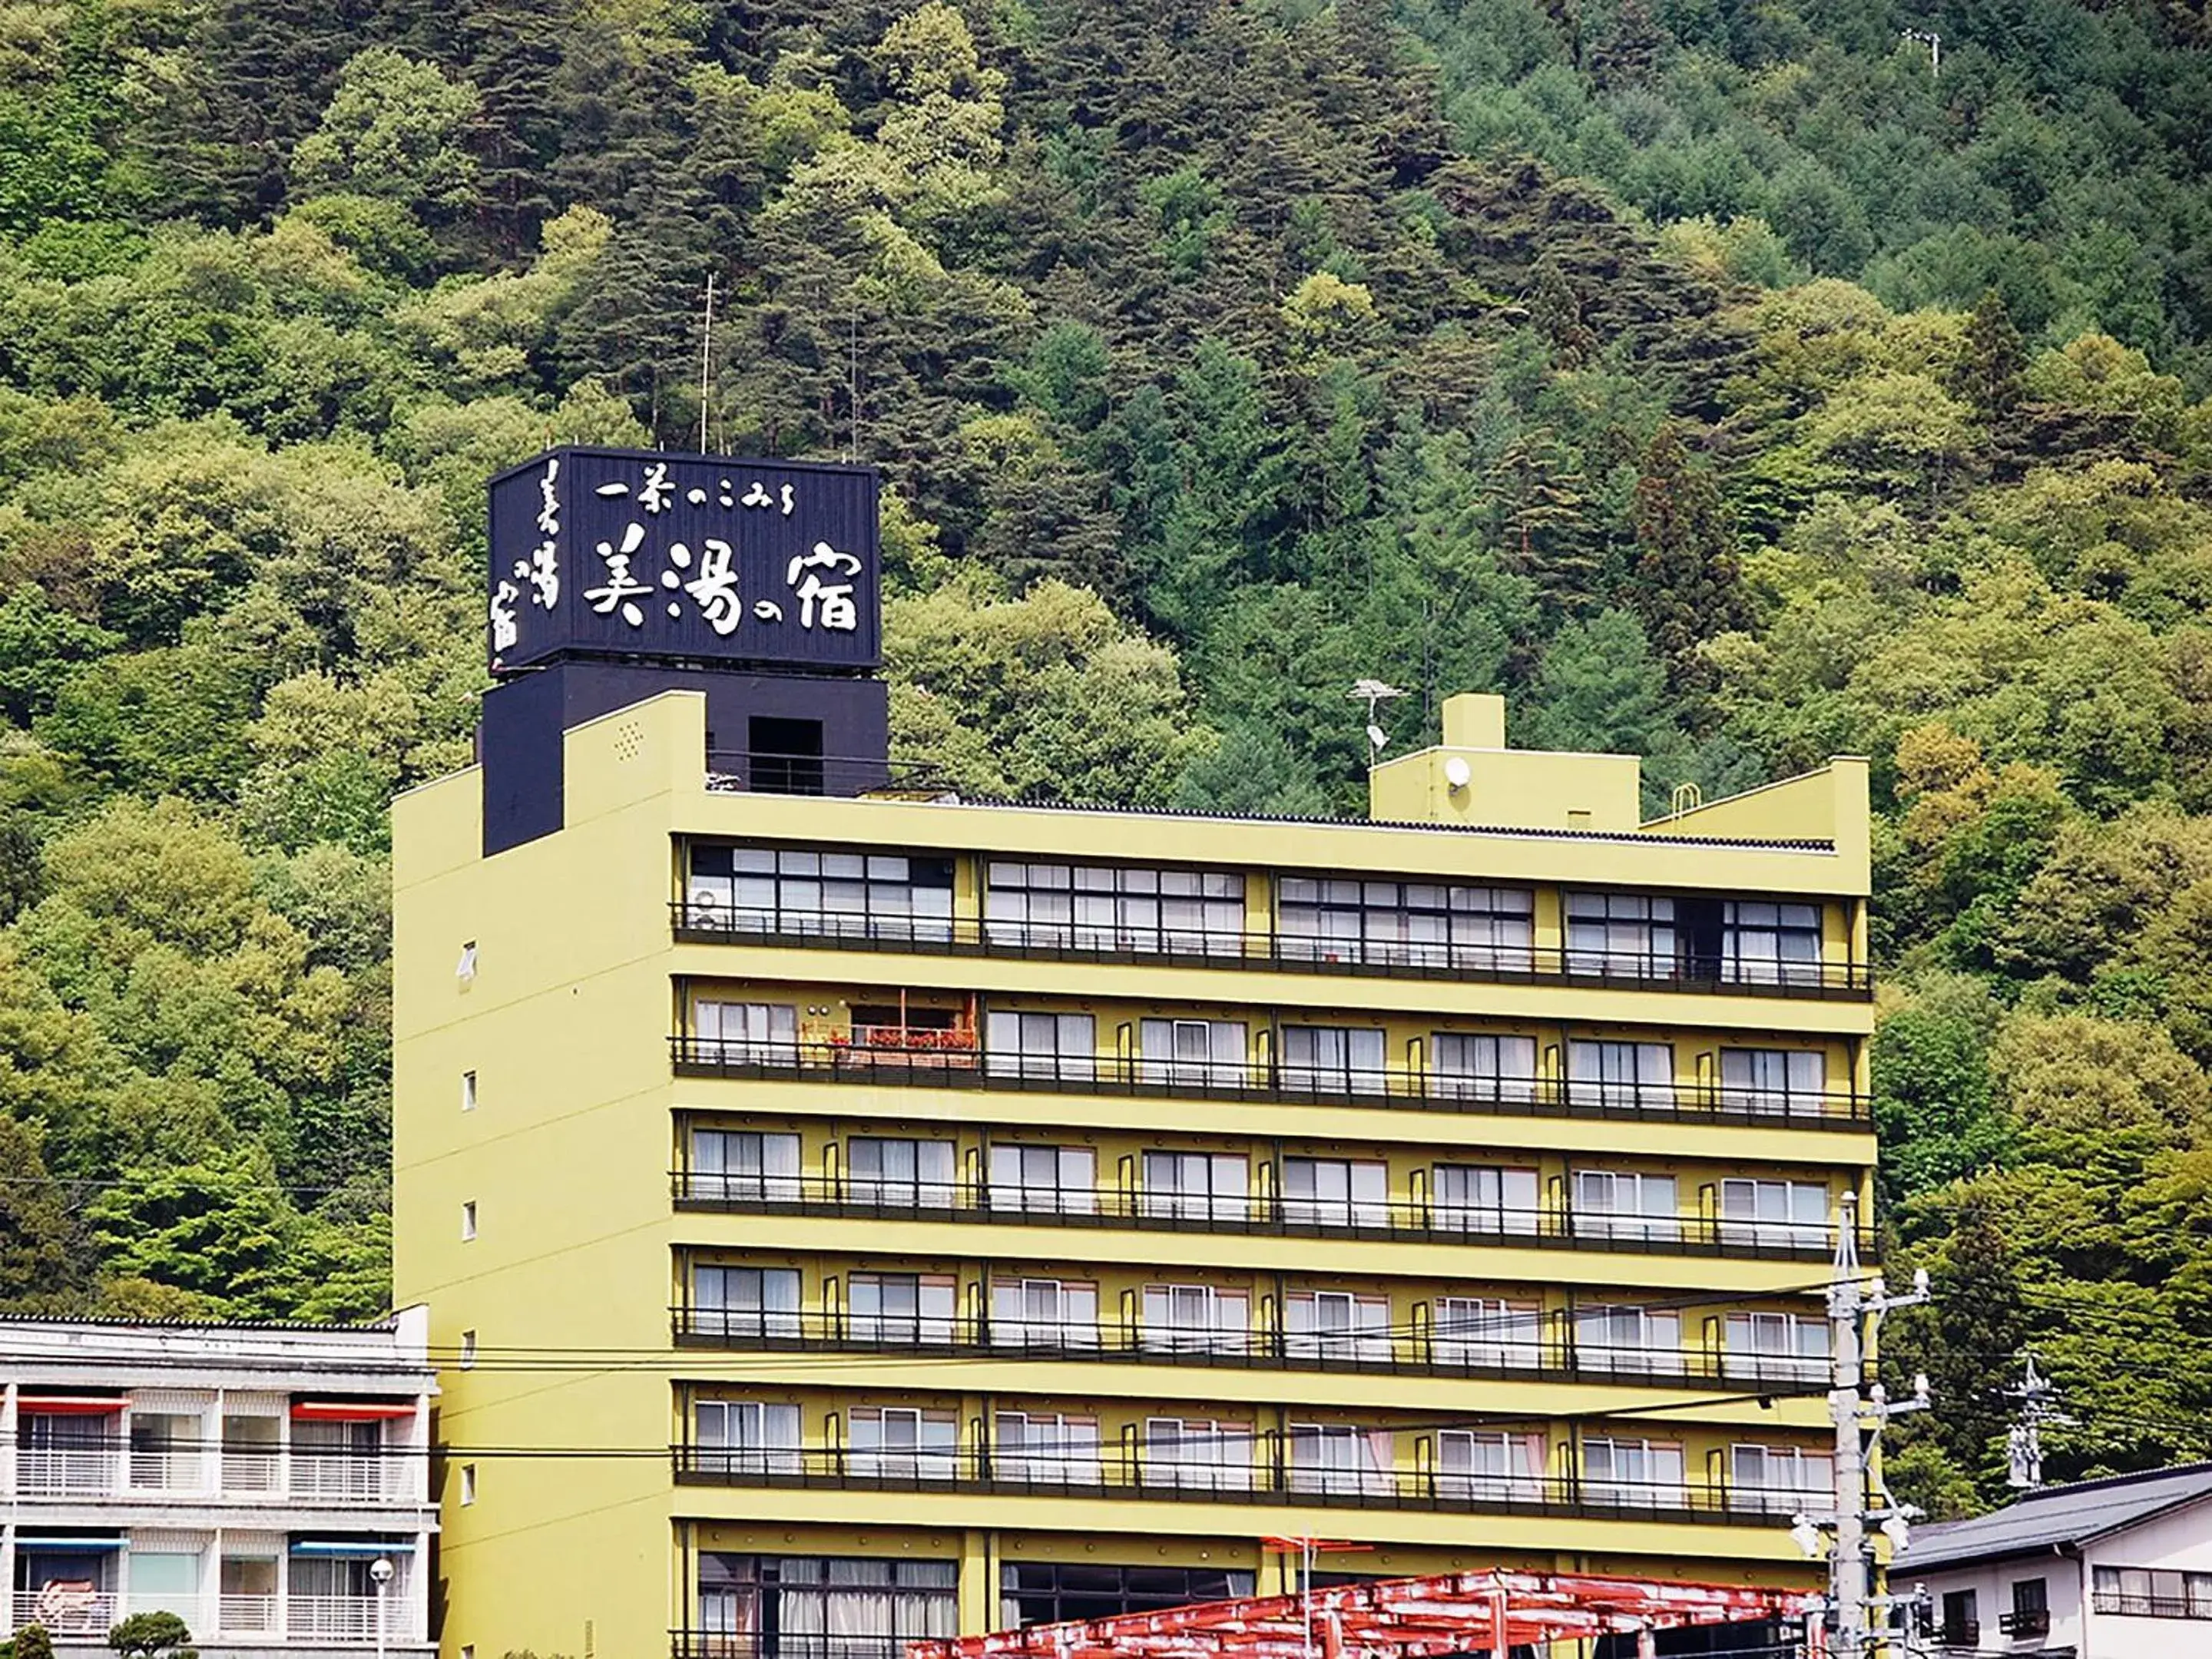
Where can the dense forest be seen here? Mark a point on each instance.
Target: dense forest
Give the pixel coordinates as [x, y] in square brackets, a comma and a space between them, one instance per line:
[1733, 383]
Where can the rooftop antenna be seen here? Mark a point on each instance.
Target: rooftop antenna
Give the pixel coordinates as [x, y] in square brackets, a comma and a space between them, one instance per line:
[2038, 1410]
[1934, 42]
[706, 360]
[1375, 693]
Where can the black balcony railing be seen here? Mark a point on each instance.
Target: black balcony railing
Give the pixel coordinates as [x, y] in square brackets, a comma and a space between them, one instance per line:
[1270, 1478]
[2129, 1605]
[2026, 1622]
[1548, 1352]
[709, 923]
[913, 1062]
[1429, 1222]
[1962, 1633]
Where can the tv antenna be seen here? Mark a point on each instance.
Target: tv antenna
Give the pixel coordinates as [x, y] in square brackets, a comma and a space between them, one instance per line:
[706, 361]
[1934, 41]
[1375, 693]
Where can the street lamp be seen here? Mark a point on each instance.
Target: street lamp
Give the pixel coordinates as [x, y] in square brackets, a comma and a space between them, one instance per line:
[380, 1571]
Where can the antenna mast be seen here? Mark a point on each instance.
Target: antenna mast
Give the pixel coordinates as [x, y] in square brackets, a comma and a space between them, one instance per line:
[706, 361]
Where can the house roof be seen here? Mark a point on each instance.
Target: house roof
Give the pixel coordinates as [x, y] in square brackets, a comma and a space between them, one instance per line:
[2054, 1516]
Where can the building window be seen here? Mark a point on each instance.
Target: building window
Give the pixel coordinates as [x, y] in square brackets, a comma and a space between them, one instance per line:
[468, 1351]
[746, 1437]
[1061, 1047]
[759, 1166]
[1781, 1480]
[1050, 1449]
[1631, 1473]
[468, 1219]
[1197, 1319]
[1199, 1052]
[1781, 1346]
[1197, 1186]
[1338, 1459]
[2151, 1593]
[1782, 1213]
[744, 1033]
[1044, 1180]
[1612, 1204]
[766, 1606]
[1486, 1330]
[1050, 1593]
[767, 889]
[2030, 1615]
[1498, 1069]
[745, 1302]
[1619, 1340]
[1325, 1192]
[1045, 1313]
[1622, 1076]
[1143, 910]
[468, 1091]
[1337, 1325]
[1199, 1452]
[1962, 1623]
[1335, 1060]
[902, 1307]
[898, 1174]
[1478, 1465]
[1475, 1198]
[1770, 944]
[1621, 935]
[1774, 1082]
[1422, 924]
[338, 1459]
[904, 1443]
[468, 1483]
[464, 970]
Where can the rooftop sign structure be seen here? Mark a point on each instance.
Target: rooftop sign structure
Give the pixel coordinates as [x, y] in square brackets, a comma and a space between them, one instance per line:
[626, 554]
[1470, 1612]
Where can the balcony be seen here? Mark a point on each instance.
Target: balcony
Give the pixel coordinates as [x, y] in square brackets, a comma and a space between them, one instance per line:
[1270, 1215]
[1120, 1473]
[2025, 1623]
[1551, 1356]
[72, 1471]
[116, 1471]
[951, 1060]
[708, 924]
[251, 1620]
[2132, 1606]
[346, 1478]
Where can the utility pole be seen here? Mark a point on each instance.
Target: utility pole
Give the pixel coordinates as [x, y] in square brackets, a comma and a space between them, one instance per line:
[2024, 1441]
[1857, 1413]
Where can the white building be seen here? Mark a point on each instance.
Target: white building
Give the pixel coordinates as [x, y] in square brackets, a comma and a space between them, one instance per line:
[269, 1484]
[2115, 1569]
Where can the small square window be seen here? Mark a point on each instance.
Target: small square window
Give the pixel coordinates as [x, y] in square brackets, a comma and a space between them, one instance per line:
[468, 1091]
[468, 1351]
[468, 1483]
[468, 1219]
[468, 1650]
[466, 970]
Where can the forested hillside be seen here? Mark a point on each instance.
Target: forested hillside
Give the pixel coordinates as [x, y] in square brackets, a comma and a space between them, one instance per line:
[1715, 378]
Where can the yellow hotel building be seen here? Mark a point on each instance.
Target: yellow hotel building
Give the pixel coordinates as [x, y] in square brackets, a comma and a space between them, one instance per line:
[846, 1220]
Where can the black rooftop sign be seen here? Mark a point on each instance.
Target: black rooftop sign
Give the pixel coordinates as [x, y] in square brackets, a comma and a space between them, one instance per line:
[630, 553]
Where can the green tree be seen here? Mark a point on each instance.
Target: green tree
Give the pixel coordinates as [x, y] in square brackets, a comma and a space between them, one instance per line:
[1685, 588]
[144, 1635]
[394, 130]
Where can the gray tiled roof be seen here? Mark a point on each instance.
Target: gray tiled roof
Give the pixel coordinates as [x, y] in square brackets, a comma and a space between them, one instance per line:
[2055, 1515]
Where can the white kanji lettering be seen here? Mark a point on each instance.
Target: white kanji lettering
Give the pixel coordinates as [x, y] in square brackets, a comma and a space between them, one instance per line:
[549, 502]
[611, 490]
[716, 587]
[654, 495]
[834, 600]
[622, 590]
[768, 610]
[756, 496]
[790, 500]
[541, 570]
[504, 632]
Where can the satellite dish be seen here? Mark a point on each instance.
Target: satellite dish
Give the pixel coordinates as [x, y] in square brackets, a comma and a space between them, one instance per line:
[1457, 773]
[1378, 739]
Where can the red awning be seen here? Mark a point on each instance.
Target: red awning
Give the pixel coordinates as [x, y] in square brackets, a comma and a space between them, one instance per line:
[67, 1405]
[347, 1411]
